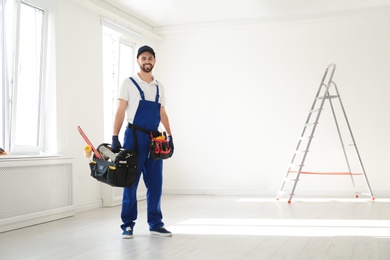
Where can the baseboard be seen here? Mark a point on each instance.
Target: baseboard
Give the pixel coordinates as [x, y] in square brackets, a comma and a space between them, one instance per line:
[35, 218]
[89, 205]
[99, 203]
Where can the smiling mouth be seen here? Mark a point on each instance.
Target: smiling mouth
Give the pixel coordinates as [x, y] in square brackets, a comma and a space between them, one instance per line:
[147, 67]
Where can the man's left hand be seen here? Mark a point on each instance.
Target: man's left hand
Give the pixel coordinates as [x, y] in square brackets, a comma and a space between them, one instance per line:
[170, 142]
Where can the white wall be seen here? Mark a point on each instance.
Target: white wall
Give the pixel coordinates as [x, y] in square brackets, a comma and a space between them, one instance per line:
[79, 84]
[80, 92]
[238, 98]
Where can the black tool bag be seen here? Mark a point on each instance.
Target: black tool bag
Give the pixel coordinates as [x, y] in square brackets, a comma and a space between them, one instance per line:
[120, 173]
[159, 148]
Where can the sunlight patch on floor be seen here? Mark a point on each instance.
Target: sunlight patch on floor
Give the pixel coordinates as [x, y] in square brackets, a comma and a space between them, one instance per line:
[313, 200]
[283, 227]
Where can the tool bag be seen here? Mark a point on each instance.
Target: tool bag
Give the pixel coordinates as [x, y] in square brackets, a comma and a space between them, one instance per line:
[159, 147]
[119, 173]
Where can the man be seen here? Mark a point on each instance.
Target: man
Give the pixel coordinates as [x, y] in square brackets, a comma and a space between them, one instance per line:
[142, 100]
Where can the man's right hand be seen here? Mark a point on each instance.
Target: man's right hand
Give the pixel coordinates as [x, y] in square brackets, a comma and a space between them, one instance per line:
[115, 145]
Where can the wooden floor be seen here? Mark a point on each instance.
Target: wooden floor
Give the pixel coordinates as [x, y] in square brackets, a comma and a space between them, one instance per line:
[216, 227]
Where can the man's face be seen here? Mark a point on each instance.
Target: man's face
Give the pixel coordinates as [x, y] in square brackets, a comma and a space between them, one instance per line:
[146, 61]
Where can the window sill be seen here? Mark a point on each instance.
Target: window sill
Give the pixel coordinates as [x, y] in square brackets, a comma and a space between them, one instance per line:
[38, 157]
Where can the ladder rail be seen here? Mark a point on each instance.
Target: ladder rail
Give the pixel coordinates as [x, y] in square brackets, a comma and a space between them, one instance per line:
[326, 86]
[326, 83]
[354, 144]
[341, 138]
[333, 66]
[330, 69]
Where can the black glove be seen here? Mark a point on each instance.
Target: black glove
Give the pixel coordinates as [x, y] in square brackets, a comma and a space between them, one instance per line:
[170, 141]
[115, 145]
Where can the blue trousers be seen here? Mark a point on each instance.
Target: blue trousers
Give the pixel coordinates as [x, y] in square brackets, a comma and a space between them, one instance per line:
[151, 170]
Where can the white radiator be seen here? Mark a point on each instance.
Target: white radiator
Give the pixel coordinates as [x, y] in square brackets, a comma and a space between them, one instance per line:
[34, 191]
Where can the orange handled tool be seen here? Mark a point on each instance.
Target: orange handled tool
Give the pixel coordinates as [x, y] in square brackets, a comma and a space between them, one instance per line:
[97, 154]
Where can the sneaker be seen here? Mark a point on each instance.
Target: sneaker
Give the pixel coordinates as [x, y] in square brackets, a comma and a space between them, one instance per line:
[161, 231]
[128, 233]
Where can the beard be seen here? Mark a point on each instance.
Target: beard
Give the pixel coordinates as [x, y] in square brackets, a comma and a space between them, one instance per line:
[146, 67]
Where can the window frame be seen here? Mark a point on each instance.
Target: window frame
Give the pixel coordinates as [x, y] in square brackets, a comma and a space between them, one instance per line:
[3, 75]
[123, 36]
[10, 83]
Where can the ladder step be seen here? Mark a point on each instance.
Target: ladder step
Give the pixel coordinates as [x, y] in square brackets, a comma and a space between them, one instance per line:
[349, 144]
[291, 179]
[281, 193]
[309, 124]
[305, 137]
[328, 97]
[295, 172]
[315, 110]
[295, 165]
[303, 151]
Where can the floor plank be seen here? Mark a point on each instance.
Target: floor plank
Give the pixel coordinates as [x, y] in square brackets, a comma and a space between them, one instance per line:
[216, 227]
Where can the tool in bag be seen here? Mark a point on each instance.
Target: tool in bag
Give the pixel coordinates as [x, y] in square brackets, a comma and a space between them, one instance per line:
[119, 170]
[88, 151]
[159, 145]
[88, 142]
[105, 151]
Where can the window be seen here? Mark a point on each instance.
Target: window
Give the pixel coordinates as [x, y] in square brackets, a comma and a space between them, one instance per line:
[22, 52]
[2, 76]
[118, 60]
[27, 93]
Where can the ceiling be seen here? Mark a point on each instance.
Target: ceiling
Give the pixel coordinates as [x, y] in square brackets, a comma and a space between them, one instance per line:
[160, 13]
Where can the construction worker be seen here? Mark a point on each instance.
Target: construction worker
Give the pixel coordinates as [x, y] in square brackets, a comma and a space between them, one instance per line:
[141, 98]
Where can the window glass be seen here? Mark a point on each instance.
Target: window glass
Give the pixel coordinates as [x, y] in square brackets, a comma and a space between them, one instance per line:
[21, 69]
[29, 70]
[118, 60]
[2, 72]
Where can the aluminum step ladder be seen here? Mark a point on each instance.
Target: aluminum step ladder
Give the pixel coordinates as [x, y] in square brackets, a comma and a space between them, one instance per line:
[327, 91]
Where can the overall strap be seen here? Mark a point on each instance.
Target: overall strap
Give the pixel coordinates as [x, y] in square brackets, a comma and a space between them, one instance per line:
[139, 88]
[157, 92]
[142, 93]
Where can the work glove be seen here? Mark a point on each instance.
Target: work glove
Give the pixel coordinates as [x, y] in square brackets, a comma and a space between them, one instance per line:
[170, 142]
[115, 145]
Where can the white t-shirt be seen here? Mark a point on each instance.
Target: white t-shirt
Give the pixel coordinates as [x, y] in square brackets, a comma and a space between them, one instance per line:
[129, 92]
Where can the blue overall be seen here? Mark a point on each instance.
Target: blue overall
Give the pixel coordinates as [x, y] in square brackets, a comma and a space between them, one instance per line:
[148, 117]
